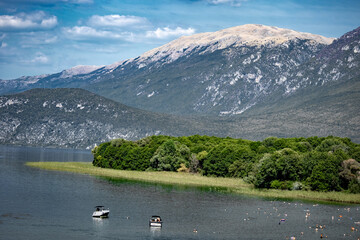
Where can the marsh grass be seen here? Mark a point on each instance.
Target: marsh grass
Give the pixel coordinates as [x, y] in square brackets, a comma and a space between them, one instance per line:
[229, 185]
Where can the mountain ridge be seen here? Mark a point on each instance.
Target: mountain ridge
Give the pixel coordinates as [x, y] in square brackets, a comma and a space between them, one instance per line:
[244, 34]
[249, 34]
[296, 88]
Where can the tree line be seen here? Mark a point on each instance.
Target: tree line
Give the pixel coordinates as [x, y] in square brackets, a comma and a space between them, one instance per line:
[314, 163]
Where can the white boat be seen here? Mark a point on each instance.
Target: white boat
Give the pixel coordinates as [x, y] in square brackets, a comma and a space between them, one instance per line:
[101, 212]
[155, 221]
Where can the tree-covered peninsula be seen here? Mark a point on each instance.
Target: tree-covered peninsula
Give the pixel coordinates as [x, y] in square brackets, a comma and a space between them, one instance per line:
[315, 163]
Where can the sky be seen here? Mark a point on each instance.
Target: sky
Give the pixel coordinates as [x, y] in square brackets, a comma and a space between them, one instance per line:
[47, 36]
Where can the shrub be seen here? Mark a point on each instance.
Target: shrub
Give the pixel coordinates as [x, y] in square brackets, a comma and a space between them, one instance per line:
[354, 186]
[283, 185]
[297, 186]
[182, 168]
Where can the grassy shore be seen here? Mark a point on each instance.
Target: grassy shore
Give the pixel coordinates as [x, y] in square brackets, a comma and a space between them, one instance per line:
[233, 185]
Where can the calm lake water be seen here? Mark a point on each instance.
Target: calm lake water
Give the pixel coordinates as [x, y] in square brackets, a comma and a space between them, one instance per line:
[39, 204]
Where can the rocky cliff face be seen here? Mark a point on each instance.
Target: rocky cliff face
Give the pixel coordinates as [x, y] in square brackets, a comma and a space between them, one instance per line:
[336, 62]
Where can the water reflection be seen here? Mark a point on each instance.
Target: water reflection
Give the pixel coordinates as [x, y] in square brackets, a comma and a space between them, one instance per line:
[100, 222]
[155, 231]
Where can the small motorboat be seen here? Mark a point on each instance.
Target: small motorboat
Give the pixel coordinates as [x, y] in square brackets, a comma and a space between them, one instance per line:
[101, 212]
[155, 221]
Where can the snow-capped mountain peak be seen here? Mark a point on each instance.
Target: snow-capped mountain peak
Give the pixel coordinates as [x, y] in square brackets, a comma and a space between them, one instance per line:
[249, 34]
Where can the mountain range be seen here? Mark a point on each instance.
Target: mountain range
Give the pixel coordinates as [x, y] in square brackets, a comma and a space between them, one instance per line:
[249, 81]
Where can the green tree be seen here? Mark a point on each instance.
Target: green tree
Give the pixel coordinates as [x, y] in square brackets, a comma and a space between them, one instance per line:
[282, 165]
[169, 156]
[331, 144]
[325, 175]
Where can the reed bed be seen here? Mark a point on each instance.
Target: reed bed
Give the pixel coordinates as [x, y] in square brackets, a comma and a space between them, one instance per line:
[231, 185]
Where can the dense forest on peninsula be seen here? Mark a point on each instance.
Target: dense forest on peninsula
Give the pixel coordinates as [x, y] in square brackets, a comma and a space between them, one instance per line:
[314, 163]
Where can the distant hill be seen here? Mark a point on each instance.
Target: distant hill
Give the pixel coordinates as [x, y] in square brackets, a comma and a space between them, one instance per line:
[76, 118]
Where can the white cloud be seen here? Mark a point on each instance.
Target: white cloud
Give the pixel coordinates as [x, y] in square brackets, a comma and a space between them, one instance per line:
[83, 1]
[23, 21]
[33, 39]
[235, 3]
[168, 32]
[116, 21]
[85, 32]
[3, 45]
[40, 58]
[37, 2]
[51, 40]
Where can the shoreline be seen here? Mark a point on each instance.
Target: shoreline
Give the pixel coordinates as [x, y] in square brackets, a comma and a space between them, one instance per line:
[231, 185]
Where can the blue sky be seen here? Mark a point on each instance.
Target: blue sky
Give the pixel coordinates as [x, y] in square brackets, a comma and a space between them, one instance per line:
[48, 36]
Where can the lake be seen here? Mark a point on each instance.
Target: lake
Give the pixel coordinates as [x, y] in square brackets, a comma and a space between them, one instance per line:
[40, 204]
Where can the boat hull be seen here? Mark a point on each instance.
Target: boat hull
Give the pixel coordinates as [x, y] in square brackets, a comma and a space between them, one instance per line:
[155, 224]
[101, 214]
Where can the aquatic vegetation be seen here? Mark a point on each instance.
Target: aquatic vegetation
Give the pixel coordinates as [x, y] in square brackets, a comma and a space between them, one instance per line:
[222, 184]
